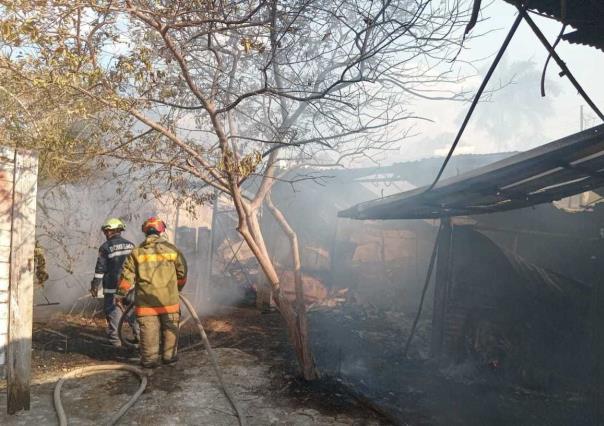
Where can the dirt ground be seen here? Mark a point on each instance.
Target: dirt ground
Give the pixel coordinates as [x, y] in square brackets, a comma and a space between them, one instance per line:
[254, 357]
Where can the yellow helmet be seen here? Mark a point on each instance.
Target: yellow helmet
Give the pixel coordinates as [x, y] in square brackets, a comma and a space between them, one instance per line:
[113, 224]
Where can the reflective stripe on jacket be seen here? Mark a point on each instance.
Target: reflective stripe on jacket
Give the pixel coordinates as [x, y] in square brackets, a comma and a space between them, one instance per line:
[158, 271]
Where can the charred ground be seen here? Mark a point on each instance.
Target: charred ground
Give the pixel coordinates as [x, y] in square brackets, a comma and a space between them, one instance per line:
[65, 342]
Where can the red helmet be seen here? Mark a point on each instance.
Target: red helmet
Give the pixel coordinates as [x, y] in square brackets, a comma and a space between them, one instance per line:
[153, 223]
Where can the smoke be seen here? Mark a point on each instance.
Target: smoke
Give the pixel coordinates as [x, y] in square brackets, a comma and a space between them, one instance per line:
[514, 114]
[438, 145]
[511, 116]
[69, 218]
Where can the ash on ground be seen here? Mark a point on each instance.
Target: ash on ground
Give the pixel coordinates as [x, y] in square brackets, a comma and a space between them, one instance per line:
[362, 346]
[254, 355]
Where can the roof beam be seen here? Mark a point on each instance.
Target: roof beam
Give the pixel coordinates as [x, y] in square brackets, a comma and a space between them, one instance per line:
[565, 71]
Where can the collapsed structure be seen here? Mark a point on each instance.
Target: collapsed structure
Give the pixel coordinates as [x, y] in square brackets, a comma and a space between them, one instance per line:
[514, 266]
[518, 290]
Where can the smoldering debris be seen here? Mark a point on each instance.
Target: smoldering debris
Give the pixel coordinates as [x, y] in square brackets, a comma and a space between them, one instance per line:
[366, 332]
[516, 345]
[362, 347]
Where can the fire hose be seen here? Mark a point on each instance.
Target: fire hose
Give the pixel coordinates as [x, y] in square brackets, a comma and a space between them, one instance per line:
[84, 371]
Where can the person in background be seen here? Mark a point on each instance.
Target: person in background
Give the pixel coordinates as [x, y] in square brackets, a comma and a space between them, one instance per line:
[112, 255]
[40, 272]
[157, 271]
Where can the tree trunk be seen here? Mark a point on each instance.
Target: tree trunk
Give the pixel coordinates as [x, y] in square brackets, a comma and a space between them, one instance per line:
[297, 335]
[249, 228]
[298, 330]
[301, 320]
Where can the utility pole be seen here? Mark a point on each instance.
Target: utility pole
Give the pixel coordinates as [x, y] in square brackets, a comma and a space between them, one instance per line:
[442, 284]
[212, 243]
[176, 225]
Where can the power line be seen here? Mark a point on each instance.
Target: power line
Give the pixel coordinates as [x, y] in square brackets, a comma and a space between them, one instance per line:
[483, 85]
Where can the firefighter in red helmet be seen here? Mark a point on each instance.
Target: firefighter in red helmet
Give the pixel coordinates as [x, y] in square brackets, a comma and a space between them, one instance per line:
[157, 271]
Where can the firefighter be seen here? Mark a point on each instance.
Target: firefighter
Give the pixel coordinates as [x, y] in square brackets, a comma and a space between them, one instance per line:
[112, 255]
[157, 271]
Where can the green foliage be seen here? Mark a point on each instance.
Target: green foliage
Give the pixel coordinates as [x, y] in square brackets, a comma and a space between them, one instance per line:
[310, 82]
[63, 129]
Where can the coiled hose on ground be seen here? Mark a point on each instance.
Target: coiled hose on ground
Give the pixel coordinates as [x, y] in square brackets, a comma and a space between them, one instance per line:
[84, 371]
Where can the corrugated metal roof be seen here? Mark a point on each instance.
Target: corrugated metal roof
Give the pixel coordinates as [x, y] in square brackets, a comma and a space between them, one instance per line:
[562, 168]
[586, 16]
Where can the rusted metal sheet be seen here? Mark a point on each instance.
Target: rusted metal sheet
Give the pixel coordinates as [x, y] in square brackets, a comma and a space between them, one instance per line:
[586, 16]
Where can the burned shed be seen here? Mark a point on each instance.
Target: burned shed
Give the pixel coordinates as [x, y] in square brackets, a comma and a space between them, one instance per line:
[341, 255]
[497, 300]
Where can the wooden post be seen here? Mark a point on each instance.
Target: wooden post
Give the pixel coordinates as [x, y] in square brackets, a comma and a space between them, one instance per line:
[264, 289]
[202, 257]
[21, 281]
[441, 286]
[333, 260]
[207, 285]
[7, 159]
[263, 293]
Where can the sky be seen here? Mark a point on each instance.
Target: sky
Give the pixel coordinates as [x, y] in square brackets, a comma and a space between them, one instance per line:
[516, 117]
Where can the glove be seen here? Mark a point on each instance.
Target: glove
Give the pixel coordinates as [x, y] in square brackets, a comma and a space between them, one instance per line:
[94, 288]
[119, 302]
[129, 299]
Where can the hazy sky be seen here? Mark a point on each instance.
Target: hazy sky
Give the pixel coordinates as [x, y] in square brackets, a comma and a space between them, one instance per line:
[517, 117]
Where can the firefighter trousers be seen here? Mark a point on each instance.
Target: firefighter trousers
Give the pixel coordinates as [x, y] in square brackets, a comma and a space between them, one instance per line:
[112, 315]
[158, 334]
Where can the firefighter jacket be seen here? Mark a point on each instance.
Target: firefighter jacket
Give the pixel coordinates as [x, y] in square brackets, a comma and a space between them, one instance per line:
[157, 271]
[112, 255]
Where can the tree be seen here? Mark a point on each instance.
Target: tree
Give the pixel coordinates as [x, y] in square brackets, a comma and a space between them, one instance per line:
[223, 92]
[58, 127]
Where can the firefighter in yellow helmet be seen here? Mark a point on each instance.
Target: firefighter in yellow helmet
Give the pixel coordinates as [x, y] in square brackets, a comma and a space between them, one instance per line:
[157, 271]
[112, 255]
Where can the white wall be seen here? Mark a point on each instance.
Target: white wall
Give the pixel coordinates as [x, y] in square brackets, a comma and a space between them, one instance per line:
[69, 222]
